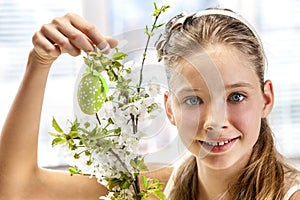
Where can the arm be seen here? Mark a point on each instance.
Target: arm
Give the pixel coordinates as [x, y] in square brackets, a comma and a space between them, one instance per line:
[20, 176]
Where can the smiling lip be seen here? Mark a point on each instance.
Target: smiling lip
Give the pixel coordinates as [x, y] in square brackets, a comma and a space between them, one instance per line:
[219, 146]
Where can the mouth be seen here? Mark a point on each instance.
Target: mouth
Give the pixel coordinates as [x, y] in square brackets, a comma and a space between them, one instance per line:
[218, 146]
[219, 143]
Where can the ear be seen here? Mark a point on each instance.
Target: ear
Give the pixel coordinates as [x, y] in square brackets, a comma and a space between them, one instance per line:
[168, 108]
[268, 98]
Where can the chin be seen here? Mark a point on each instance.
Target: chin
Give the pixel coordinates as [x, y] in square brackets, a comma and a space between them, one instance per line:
[224, 162]
[218, 162]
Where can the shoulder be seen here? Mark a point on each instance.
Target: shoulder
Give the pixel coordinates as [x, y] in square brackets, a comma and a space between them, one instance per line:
[293, 193]
[296, 195]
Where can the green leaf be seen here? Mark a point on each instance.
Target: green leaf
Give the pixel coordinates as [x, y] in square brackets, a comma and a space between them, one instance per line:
[159, 194]
[164, 8]
[104, 84]
[57, 141]
[160, 25]
[105, 61]
[144, 181]
[95, 54]
[119, 56]
[54, 134]
[112, 182]
[133, 163]
[117, 64]
[141, 165]
[125, 181]
[147, 30]
[155, 5]
[74, 170]
[75, 125]
[56, 126]
[156, 13]
[73, 134]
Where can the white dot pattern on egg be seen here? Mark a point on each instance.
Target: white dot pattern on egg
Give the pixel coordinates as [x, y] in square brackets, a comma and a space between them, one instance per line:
[91, 94]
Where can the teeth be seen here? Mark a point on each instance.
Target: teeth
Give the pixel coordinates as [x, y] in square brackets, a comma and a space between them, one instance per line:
[217, 143]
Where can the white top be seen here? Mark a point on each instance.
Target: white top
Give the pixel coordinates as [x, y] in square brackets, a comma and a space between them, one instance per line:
[177, 164]
[291, 191]
[170, 184]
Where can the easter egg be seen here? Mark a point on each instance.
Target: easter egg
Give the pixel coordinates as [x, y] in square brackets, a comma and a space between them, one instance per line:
[91, 93]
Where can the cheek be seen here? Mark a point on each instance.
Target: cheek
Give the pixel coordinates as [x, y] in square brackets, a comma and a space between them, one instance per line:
[188, 123]
[247, 121]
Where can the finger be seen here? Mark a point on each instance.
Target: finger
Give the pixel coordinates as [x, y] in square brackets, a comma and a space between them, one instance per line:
[91, 32]
[56, 37]
[107, 44]
[75, 51]
[44, 47]
[112, 42]
[77, 38]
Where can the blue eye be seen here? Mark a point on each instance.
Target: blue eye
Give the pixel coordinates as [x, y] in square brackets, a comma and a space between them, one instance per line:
[236, 97]
[194, 100]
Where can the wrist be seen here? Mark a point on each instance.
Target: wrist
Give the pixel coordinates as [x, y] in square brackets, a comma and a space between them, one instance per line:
[37, 61]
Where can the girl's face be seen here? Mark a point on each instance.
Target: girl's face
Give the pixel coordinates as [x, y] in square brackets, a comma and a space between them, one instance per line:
[216, 103]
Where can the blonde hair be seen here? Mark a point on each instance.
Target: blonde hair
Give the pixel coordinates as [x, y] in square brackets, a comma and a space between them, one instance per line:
[264, 175]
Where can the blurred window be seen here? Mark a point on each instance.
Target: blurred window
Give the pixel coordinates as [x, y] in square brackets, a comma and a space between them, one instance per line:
[278, 27]
[18, 22]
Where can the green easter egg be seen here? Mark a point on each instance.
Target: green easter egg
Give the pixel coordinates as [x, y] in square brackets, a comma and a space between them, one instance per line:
[91, 93]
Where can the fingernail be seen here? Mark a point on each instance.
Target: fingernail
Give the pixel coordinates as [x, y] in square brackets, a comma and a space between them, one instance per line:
[103, 47]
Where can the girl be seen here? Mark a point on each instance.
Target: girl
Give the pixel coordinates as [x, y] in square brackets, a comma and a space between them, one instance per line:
[218, 100]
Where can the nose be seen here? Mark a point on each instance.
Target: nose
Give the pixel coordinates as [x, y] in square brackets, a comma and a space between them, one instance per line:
[216, 118]
[215, 125]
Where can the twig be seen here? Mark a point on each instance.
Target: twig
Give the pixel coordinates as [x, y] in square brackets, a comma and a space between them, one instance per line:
[98, 119]
[134, 183]
[146, 48]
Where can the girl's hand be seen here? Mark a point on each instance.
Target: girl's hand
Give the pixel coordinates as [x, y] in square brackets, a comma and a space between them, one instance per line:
[68, 34]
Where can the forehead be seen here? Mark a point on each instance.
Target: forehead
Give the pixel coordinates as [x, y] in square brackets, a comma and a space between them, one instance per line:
[214, 67]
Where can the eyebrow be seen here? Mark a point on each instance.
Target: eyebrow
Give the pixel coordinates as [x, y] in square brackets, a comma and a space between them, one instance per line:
[227, 87]
[188, 89]
[239, 85]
